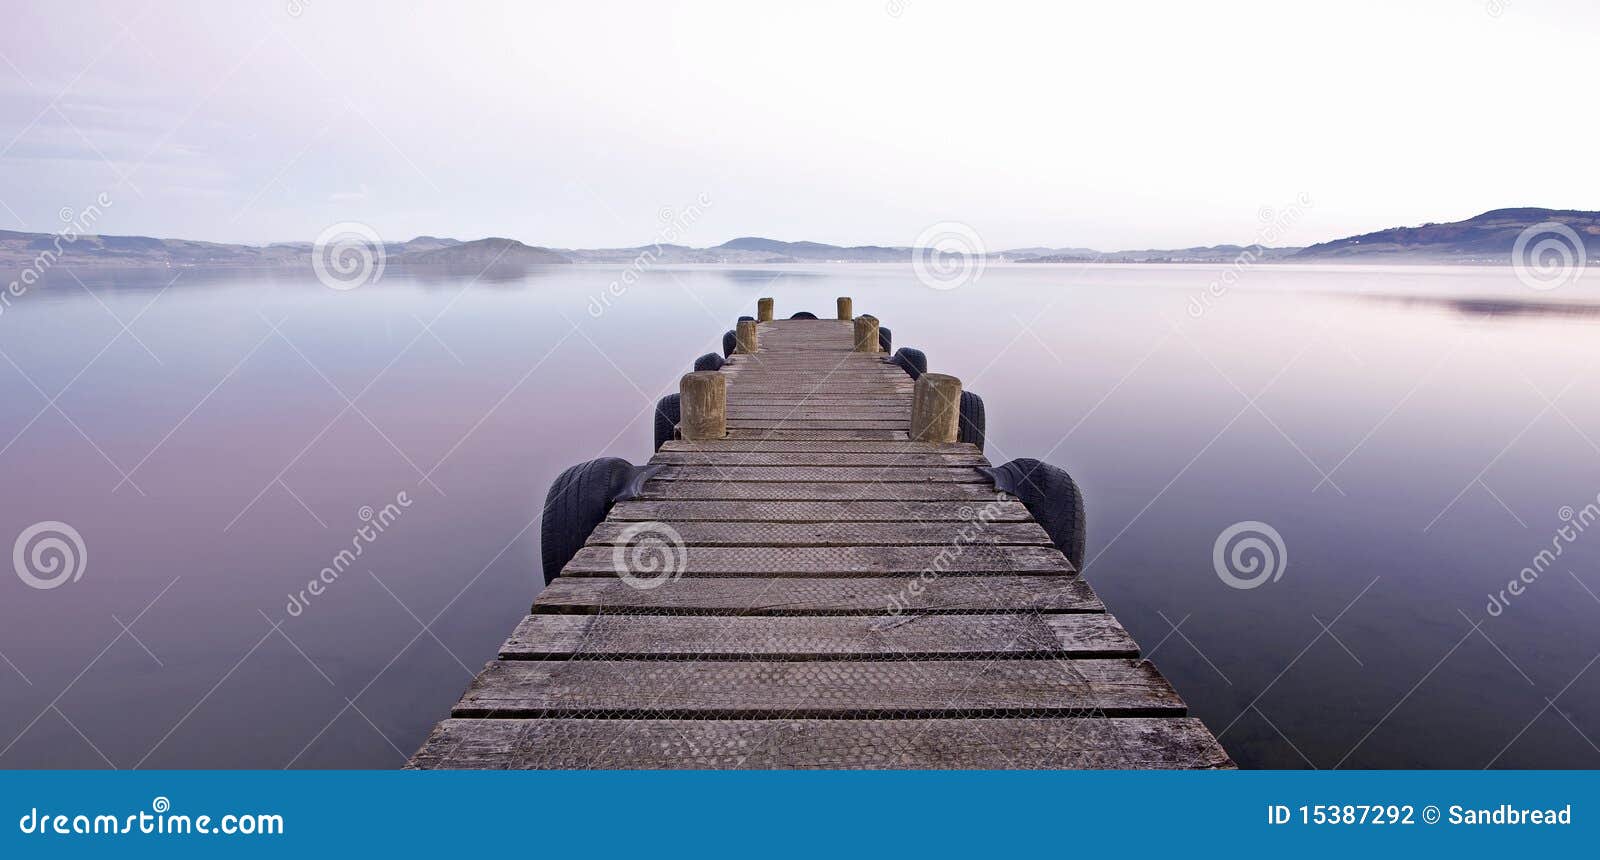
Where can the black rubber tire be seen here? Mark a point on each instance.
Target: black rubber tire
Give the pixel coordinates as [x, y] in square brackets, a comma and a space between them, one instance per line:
[885, 339]
[730, 342]
[667, 417]
[709, 361]
[912, 361]
[1055, 501]
[972, 425]
[578, 500]
[803, 315]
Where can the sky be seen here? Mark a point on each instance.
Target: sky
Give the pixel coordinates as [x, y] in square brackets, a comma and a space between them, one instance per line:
[1106, 125]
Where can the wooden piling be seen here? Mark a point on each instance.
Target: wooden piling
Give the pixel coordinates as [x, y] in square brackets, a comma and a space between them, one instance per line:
[746, 336]
[867, 333]
[845, 310]
[764, 310]
[935, 408]
[703, 405]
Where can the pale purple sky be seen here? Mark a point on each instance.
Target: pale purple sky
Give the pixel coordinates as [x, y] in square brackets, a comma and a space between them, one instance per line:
[1110, 125]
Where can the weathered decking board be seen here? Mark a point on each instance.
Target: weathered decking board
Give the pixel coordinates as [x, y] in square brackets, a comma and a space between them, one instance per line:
[1073, 742]
[830, 534]
[664, 637]
[706, 689]
[595, 560]
[921, 513]
[823, 612]
[819, 596]
[890, 474]
[818, 458]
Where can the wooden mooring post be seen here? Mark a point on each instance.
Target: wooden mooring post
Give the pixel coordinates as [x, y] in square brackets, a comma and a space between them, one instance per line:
[703, 404]
[745, 336]
[866, 334]
[817, 576]
[935, 408]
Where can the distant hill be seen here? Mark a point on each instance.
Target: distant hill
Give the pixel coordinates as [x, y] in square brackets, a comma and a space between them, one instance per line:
[1486, 238]
[1206, 254]
[478, 253]
[818, 252]
[18, 250]
[1040, 254]
[21, 250]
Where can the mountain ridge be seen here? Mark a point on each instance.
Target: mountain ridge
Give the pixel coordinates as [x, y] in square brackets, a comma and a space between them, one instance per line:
[1489, 237]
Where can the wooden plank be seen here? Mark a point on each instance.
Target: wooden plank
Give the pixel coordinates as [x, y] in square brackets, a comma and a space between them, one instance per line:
[818, 400]
[819, 361]
[818, 491]
[679, 637]
[893, 474]
[793, 434]
[825, 378]
[892, 377]
[898, 413]
[835, 561]
[810, 458]
[1073, 743]
[864, 392]
[796, 404]
[821, 380]
[621, 689]
[815, 362]
[811, 424]
[813, 512]
[861, 446]
[838, 533]
[822, 596]
[831, 381]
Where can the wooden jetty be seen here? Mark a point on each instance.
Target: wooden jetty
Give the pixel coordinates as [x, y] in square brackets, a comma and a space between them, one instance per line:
[820, 610]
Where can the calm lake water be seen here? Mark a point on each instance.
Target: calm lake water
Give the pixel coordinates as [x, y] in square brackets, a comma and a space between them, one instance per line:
[1413, 434]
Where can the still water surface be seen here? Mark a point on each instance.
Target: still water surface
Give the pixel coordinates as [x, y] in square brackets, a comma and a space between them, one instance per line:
[1412, 433]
